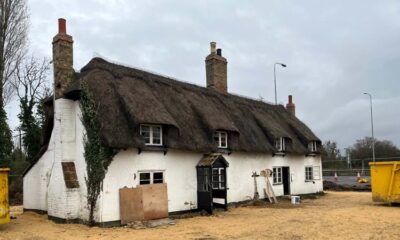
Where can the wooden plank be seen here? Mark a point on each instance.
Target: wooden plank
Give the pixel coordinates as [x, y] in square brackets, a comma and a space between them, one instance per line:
[155, 201]
[131, 205]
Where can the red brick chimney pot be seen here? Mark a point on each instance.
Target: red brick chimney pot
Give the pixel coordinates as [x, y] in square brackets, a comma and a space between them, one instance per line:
[62, 26]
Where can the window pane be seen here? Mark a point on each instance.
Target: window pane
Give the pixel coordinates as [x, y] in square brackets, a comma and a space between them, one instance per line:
[278, 144]
[222, 178]
[144, 178]
[215, 185]
[144, 128]
[215, 178]
[156, 130]
[215, 171]
[309, 172]
[145, 132]
[156, 141]
[224, 139]
[158, 177]
[216, 139]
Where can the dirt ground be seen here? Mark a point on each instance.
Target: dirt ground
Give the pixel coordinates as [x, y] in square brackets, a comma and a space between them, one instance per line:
[337, 215]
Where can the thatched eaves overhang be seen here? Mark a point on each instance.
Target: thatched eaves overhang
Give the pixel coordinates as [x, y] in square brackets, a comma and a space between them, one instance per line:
[190, 114]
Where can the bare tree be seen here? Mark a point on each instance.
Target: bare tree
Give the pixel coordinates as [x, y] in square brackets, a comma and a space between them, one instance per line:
[13, 38]
[31, 87]
[31, 79]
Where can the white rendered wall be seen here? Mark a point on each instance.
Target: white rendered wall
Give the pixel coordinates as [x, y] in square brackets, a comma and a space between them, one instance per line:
[241, 166]
[44, 186]
[180, 175]
[35, 182]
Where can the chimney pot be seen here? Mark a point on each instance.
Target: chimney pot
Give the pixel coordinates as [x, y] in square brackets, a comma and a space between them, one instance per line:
[219, 52]
[213, 47]
[290, 105]
[62, 27]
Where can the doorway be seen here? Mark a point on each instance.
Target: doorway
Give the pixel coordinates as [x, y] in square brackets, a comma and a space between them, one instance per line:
[211, 182]
[286, 180]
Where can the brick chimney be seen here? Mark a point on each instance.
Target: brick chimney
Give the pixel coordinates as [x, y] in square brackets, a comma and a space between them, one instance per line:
[216, 69]
[290, 106]
[62, 59]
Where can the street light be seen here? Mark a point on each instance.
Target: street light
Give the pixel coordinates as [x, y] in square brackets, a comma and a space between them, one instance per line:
[372, 127]
[283, 65]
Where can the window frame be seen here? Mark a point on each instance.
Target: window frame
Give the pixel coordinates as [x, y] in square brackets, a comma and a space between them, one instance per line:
[276, 175]
[151, 180]
[218, 134]
[151, 134]
[282, 144]
[312, 146]
[221, 182]
[309, 173]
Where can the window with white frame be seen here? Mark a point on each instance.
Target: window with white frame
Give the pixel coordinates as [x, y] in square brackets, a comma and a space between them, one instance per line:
[221, 139]
[151, 177]
[277, 175]
[280, 144]
[218, 178]
[312, 146]
[152, 134]
[309, 173]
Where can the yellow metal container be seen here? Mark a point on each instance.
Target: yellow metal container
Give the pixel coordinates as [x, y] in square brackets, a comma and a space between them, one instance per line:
[4, 208]
[385, 181]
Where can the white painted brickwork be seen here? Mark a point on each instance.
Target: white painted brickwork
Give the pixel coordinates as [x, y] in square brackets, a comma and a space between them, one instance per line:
[44, 186]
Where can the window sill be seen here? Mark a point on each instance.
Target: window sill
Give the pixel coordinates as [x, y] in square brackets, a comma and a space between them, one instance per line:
[312, 154]
[309, 181]
[279, 154]
[277, 184]
[153, 148]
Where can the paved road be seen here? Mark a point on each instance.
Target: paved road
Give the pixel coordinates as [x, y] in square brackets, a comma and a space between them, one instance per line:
[350, 180]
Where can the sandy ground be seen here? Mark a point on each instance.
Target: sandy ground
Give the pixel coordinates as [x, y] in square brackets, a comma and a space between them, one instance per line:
[337, 215]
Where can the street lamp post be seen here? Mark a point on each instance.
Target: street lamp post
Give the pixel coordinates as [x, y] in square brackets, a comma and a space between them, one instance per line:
[283, 65]
[372, 127]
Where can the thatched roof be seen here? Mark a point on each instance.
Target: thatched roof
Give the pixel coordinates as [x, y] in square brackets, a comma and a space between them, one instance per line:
[190, 114]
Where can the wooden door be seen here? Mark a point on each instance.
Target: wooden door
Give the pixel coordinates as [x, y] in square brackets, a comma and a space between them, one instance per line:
[204, 189]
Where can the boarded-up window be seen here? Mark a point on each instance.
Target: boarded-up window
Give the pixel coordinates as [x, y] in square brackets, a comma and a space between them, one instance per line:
[70, 177]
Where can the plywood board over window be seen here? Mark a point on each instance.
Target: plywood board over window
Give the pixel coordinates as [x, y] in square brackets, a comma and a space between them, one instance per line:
[145, 202]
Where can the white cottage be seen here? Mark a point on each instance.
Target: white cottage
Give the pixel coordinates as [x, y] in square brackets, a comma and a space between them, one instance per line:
[203, 142]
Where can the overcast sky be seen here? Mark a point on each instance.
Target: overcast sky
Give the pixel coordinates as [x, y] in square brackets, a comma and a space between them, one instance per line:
[335, 51]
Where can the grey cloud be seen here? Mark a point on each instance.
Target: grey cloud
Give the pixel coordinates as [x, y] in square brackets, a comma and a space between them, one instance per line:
[334, 50]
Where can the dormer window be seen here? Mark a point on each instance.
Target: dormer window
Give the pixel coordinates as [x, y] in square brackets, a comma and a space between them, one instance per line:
[152, 134]
[221, 139]
[280, 144]
[312, 146]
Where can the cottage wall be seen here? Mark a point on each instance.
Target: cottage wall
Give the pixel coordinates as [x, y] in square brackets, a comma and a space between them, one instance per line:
[35, 182]
[44, 185]
[180, 175]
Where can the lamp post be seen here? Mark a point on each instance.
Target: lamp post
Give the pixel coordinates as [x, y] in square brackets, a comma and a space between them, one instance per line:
[372, 127]
[283, 65]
